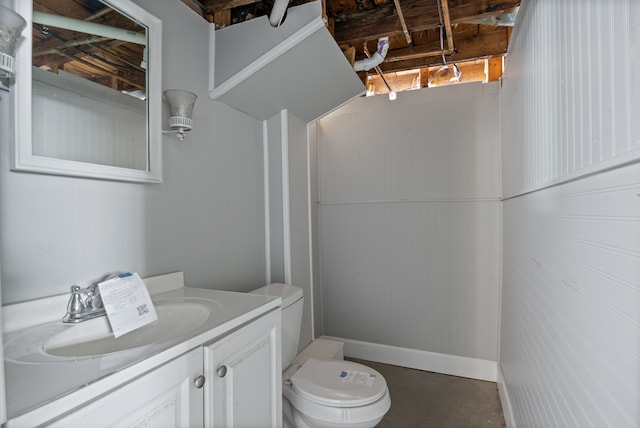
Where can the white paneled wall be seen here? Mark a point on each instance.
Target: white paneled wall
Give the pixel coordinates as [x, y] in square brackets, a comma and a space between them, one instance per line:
[570, 340]
[299, 233]
[206, 218]
[316, 280]
[570, 324]
[409, 220]
[289, 258]
[88, 123]
[571, 92]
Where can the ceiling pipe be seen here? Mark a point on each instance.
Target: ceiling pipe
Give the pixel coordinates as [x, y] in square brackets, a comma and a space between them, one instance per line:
[378, 70]
[70, 44]
[377, 58]
[277, 12]
[81, 26]
[392, 93]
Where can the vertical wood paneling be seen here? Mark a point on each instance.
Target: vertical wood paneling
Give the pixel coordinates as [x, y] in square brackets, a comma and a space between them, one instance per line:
[414, 275]
[570, 323]
[571, 303]
[111, 134]
[570, 91]
[409, 220]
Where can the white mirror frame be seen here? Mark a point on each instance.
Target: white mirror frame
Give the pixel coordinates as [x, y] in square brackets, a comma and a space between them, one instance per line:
[22, 157]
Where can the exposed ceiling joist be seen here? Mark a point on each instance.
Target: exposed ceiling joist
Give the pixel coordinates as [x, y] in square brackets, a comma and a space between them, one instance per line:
[446, 19]
[420, 15]
[413, 26]
[484, 44]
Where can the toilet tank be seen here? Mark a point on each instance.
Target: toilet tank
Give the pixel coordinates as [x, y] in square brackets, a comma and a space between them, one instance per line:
[291, 317]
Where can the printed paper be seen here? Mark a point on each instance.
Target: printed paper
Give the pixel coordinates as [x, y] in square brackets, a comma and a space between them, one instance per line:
[127, 302]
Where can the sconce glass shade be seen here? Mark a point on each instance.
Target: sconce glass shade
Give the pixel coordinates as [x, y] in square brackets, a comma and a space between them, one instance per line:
[180, 110]
[11, 26]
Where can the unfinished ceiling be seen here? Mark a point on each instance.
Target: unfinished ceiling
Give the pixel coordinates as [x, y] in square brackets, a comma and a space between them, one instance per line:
[114, 63]
[423, 34]
[419, 31]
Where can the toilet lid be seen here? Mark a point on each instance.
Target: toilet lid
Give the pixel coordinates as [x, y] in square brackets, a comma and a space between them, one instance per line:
[338, 383]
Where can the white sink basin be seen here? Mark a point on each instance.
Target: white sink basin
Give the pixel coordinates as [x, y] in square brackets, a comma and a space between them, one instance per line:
[177, 320]
[94, 337]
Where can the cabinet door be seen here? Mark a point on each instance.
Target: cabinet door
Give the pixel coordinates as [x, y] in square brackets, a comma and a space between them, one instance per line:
[243, 388]
[165, 397]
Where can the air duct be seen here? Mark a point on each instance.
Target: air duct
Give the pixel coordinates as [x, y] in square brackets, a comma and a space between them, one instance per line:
[376, 59]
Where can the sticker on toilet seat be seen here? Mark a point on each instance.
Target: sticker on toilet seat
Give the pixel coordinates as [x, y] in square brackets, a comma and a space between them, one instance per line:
[360, 378]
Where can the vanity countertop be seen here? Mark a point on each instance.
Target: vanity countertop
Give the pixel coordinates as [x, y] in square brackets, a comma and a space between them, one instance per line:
[43, 386]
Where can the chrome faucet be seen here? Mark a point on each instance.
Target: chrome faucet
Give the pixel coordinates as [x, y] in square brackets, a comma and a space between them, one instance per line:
[79, 310]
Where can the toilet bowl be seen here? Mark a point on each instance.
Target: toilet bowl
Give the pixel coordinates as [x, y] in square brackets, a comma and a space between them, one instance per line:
[336, 393]
[318, 391]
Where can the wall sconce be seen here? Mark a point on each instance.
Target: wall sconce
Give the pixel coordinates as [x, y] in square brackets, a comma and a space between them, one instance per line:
[11, 26]
[180, 110]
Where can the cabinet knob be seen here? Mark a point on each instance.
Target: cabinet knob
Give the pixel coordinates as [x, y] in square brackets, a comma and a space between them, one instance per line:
[199, 381]
[222, 371]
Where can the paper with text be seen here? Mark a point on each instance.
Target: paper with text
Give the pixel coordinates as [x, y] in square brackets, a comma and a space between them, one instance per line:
[127, 303]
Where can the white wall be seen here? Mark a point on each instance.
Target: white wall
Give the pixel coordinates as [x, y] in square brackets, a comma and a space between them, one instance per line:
[206, 219]
[63, 101]
[570, 326]
[409, 220]
[275, 197]
[289, 248]
[316, 278]
[570, 91]
[299, 220]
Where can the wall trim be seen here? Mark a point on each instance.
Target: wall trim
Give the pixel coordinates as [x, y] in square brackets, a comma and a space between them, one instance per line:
[420, 201]
[310, 207]
[618, 162]
[267, 217]
[455, 365]
[505, 400]
[286, 209]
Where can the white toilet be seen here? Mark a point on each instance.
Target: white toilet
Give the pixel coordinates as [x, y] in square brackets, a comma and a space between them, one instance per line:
[318, 390]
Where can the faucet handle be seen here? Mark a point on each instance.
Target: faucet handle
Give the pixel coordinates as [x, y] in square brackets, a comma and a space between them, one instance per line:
[94, 300]
[75, 305]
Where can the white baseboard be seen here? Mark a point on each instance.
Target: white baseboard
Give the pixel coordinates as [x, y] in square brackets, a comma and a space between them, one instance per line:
[422, 360]
[507, 410]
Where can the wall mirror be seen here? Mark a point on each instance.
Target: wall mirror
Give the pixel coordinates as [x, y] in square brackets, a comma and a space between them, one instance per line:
[88, 90]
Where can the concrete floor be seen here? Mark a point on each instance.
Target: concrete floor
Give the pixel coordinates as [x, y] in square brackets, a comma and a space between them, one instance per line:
[422, 399]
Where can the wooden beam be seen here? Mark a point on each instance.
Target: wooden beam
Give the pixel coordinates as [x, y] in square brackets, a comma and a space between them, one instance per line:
[220, 5]
[495, 69]
[200, 9]
[405, 29]
[482, 45]
[419, 15]
[325, 16]
[415, 53]
[350, 54]
[222, 18]
[447, 23]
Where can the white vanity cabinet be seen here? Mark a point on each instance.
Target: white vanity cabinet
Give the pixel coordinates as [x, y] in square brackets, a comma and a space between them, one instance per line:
[228, 374]
[168, 396]
[243, 387]
[238, 384]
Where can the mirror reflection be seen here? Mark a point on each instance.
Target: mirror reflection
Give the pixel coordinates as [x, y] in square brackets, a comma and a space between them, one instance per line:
[89, 84]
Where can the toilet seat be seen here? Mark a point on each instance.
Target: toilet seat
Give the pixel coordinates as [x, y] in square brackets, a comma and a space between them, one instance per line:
[320, 397]
[338, 383]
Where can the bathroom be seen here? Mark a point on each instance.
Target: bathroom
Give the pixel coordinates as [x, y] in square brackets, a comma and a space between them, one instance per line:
[555, 322]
